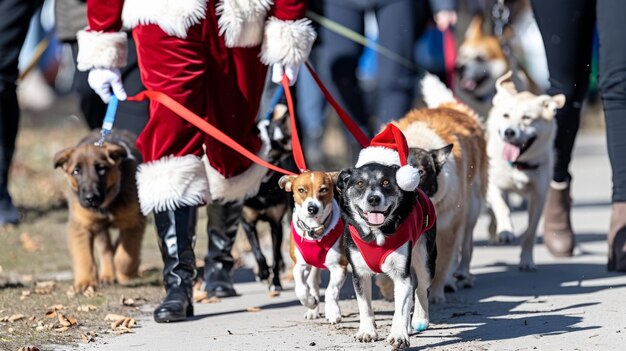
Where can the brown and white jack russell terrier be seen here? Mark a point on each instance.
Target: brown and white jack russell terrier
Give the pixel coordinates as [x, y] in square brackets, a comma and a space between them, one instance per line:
[315, 244]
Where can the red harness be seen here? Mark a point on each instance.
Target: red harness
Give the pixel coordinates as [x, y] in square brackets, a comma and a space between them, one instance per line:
[421, 219]
[314, 251]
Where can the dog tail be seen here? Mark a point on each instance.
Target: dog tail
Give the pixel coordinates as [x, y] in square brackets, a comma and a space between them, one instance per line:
[435, 92]
[437, 95]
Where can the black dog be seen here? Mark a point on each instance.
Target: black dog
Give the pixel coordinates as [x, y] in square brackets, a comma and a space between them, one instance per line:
[271, 203]
[380, 215]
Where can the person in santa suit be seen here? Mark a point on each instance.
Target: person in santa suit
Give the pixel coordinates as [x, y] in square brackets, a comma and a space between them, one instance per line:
[212, 57]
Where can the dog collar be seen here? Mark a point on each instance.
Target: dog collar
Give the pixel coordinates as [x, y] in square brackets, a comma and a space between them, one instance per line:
[523, 166]
[316, 231]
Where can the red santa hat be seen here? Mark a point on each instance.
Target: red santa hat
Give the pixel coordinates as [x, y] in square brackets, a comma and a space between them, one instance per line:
[389, 147]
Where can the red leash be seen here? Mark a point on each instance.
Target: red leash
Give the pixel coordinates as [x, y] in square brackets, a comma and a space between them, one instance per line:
[205, 126]
[449, 55]
[296, 147]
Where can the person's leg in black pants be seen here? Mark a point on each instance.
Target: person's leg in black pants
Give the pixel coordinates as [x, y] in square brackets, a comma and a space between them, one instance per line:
[567, 29]
[396, 28]
[15, 17]
[131, 116]
[611, 29]
[339, 58]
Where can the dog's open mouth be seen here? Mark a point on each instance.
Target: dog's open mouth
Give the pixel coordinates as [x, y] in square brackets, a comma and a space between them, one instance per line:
[374, 218]
[471, 84]
[512, 151]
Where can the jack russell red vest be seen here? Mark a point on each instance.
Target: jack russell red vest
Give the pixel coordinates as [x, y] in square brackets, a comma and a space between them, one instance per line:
[421, 219]
[314, 251]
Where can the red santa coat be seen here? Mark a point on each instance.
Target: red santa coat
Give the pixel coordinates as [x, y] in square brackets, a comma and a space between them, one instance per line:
[211, 56]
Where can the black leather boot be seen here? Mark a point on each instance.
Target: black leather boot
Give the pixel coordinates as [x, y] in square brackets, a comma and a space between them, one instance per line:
[176, 233]
[223, 219]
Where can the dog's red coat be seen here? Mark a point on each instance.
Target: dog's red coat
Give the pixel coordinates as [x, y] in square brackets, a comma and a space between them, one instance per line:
[421, 219]
[314, 251]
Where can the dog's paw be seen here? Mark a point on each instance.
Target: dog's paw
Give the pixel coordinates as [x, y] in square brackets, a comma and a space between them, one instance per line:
[419, 324]
[451, 286]
[106, 279]
[312, 314]
[333, 314]
[437, 297]
[506, 237]
[527, 266]
[84, 284]
[366, 335]
[263, 274]
[465, 280]
[398, 341]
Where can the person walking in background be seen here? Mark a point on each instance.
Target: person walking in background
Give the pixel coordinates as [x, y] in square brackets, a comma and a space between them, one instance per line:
[211, 57]
[339, 56]
[15, 18]
[567, 28]
[71, 16]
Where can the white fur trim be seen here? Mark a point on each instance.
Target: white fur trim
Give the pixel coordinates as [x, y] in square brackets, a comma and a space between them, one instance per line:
[101, 50]
[287, 42]
[378, 154]
[173, 16]
[558, 185]
[172, 182]
[434, 92]
[408, 178]
[241, 186]
[241, 22]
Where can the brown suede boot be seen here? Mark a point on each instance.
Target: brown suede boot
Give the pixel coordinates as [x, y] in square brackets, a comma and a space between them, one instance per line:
[617, 238]
[557, 233]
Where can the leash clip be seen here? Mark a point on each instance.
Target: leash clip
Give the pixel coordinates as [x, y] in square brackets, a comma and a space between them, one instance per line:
[109, 119]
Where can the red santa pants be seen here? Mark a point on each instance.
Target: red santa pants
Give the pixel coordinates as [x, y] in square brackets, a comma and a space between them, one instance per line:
[222, 85]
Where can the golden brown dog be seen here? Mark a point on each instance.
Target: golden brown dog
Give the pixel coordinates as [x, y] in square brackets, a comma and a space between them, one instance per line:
[448, 146]
[102, 194]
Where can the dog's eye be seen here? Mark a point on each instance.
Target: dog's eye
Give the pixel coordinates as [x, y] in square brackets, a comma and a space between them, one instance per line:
[526, 118]
[506, 115]
[100, 169]
[360, 184]
[386, 182]
[323, 190]
[421, 172]
[301, 190]
[76, 171]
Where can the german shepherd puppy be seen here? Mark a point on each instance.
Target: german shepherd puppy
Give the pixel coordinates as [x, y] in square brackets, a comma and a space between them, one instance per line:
[102, 194]
[370, 192]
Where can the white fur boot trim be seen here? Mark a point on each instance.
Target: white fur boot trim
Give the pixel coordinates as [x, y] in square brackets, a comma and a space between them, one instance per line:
[287, 42]
[101, 50]
[172, 182]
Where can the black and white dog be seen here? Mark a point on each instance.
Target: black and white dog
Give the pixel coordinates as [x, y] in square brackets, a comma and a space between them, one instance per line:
[377, 212]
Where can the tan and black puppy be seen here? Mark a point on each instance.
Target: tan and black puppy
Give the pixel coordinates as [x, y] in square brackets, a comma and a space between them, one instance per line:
[102, 194]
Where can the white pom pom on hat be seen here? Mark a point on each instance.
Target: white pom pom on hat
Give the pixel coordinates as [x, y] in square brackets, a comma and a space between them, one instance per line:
[389, 147]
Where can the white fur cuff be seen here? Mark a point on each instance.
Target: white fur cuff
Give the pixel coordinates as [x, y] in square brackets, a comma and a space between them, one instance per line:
[241, 186]
[172, 182]
[287, 42]
[101, 50]
[241, 22]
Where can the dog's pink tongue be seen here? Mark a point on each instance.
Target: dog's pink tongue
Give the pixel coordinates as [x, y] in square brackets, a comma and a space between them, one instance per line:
[511, 152]
[375, 218]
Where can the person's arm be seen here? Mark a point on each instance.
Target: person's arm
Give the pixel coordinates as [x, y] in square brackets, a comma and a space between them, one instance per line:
[103, 48]
[288, 38]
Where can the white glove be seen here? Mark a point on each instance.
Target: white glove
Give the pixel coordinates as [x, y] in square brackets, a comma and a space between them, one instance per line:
[290, 70]
[103, 80]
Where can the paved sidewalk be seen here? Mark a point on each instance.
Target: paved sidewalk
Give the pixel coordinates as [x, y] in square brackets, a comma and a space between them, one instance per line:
[568, 304]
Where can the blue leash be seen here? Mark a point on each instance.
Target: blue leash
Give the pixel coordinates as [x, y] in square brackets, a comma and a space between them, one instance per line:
[109, 119]
[275, 99]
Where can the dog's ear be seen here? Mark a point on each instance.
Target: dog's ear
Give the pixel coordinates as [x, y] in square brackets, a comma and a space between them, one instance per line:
[61, 157]
[440, 156]
[342, 179]
[333, 176]
[505, 84]
[551, 104]
[474, 30]
[285, 182]
[115, 153]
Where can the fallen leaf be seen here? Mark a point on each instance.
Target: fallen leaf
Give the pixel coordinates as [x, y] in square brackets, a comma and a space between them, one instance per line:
[212, 299]
[11, 330]
[64, 322]
[4, 319]
[62, 329]
[253, 309]
[51, 314]
[72, 320]
[45, 287]
[32, 318]
[112, 317]
[274, 293]
[25, 294]
[91, 292]
[86, 308]
[199, 295]
[70, 292]
[127, 301]
[16, 317]
[57, 307]
[40, 326]
[87, 338]
[28, 244]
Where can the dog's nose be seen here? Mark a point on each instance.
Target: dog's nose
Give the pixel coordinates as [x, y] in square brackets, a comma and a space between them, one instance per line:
[373, 200]
[312, 209]
[509, 133]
